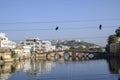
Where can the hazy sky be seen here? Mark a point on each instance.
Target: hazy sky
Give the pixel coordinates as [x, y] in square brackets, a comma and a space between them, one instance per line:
[77, 19]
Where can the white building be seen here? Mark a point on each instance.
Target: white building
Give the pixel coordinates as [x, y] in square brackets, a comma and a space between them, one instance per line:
[33, 44]
[77, 40]
[5, 43]
[37, 45]
[53, 48]
[46, 46]
[26, 49]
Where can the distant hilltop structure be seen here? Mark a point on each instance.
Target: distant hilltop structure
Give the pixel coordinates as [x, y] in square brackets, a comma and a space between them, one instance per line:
[5, 42]
[77, 40]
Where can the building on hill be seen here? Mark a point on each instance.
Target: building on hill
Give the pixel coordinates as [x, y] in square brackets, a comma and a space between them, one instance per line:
[5, 42]
[77, 40]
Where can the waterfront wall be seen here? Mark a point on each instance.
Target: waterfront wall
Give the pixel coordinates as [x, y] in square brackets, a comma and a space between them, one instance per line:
[5, 55]
[115, 48]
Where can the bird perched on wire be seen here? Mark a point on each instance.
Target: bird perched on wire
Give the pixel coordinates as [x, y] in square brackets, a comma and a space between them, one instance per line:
[56, 28]
[100, 26]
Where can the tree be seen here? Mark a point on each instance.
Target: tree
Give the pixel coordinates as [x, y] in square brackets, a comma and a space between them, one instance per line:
[107, 48]
[117, 31]
[13, 54]
[112, 39]
[72, 48]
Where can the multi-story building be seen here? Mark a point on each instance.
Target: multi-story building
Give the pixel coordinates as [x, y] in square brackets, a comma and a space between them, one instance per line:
[5, 43]
[46, 46]
[36, 45]
[33, 43]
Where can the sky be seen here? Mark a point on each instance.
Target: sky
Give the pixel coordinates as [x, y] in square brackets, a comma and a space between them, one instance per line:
[77, 19]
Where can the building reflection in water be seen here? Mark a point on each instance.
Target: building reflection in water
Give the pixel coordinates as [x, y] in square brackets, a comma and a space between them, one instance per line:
[7, 69]
[114, 66]
[30, 67]
[37, 67]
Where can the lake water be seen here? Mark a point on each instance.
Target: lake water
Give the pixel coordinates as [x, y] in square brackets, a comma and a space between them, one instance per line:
[96, 69]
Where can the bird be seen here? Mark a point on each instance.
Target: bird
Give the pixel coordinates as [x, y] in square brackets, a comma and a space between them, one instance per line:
[100, 26]
[56, 28]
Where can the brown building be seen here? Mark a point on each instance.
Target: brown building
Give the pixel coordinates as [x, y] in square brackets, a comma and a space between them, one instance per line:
[115, 48]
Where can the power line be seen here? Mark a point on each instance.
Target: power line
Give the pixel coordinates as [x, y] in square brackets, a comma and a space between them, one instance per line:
[23, 29]
[39, 29]
[64, 21]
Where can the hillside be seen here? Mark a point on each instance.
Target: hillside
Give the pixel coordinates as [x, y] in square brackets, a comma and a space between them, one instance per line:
[78, 45]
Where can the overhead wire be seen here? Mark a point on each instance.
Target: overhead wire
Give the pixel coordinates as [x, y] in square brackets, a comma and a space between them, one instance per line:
[23, 29]
[60, 28]
[62, 21]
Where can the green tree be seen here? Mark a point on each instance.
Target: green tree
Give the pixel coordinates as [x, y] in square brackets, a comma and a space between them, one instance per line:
[117, 31]
[112, 39]
[72, 47]
[96, 49]
[13, 54]
[81, 48]
[107, 48]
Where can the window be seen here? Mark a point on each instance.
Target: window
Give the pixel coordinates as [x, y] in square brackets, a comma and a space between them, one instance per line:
[43, 43]
[4, 38]
[27, 43]
[31, 43]
[37, 43]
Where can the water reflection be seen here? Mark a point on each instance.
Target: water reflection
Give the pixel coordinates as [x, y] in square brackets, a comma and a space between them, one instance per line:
[57, 68]
[7, 69]
[37, 67]
[114, 65]
[66, 56]
[30, 67]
